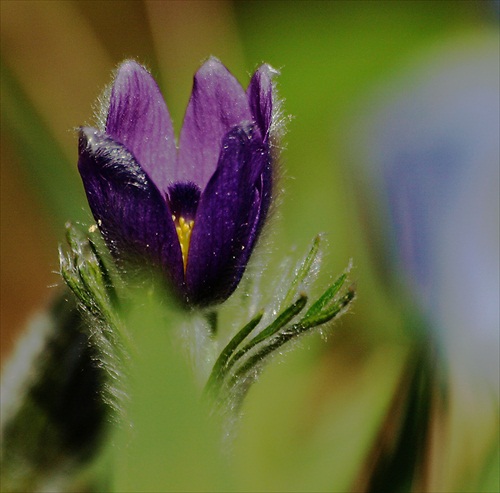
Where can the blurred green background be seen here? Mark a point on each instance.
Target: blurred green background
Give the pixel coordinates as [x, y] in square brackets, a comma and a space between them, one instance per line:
[311, 422]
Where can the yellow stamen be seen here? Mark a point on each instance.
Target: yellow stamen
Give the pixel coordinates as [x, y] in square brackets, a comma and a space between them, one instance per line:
[184, 229]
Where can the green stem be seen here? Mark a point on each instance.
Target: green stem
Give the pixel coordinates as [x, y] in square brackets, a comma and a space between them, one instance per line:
[212, 318]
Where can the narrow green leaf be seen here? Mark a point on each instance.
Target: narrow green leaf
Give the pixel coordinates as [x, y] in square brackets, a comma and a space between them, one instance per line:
[328, 314]
[285, 317]
[227, 352]
[280, 322]
[257, 358]
[274, 343]
[303, 271]
[326, 297]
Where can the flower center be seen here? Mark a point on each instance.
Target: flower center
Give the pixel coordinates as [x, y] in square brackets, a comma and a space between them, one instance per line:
[184, 229]
[183, 198]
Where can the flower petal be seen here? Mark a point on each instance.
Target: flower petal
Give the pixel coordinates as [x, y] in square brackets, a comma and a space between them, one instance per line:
[260, 97]
[138, 118]
[218, 103]
[264, 185]
[228, 218]
[129, 209]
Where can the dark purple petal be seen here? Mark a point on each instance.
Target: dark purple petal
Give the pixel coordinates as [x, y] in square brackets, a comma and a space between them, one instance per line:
[260, 97]
[138, 118]
[218, 103]
[129, 209]
[227, 220]
[264, 186]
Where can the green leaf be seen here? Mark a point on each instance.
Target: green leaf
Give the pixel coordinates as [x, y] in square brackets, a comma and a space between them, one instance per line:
[303, 270]
[326, 297]
[328, 314]
[219, 367]
[280, 338]
[286, 316]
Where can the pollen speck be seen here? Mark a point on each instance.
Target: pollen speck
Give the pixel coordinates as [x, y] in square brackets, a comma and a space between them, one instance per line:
[184, 229]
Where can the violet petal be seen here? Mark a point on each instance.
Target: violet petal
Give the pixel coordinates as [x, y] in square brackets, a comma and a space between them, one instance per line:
[138, 118]
[218, 103]
[260, 97]
[129, 209]
[264, 186]
[226, 224]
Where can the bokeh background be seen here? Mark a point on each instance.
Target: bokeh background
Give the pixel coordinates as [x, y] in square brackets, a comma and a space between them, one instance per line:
[391, 151]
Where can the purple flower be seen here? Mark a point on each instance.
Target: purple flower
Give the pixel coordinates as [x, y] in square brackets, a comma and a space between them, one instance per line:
[195, 211]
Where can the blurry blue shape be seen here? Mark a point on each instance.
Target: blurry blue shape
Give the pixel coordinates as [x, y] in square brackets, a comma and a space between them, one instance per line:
[433, 152]
[496, 6]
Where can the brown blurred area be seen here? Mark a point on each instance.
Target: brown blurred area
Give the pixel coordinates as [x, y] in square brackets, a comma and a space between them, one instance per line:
[28, 255]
